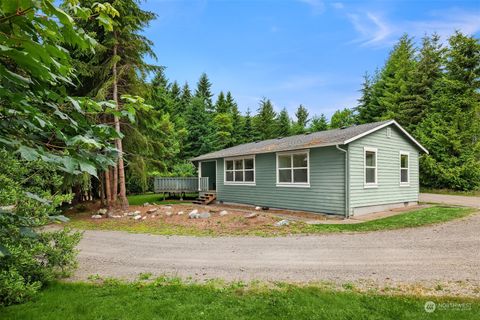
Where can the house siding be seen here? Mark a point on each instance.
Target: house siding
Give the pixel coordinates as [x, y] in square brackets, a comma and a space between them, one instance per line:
[325, 194]
[389, 190]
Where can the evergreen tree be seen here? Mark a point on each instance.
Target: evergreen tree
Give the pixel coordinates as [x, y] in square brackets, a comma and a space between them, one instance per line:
[265, 125]
[451, 130]
[230, 102]
[318, 124]
[248, 135]
[160, 97]
[185, 98]
[175, 91]
[366, 110]
[283, 123]
[221, 104]
[427, 71]
[302, 119]
[199, 134]
[342, 118]
[203, 92]
[222, 137]
[238, 125]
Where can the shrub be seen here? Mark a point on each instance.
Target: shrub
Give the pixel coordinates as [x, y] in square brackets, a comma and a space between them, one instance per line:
[29, 198]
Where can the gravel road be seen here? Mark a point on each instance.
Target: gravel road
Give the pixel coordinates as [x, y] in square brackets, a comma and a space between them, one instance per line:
[448, 199]
[445, 252]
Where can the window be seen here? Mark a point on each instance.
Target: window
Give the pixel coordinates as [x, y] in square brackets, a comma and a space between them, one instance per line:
[293, 169]
[404, 168]
[240, 171]
[370, 165]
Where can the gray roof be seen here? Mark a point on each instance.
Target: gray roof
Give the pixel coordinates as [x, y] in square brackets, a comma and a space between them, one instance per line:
[304, 141]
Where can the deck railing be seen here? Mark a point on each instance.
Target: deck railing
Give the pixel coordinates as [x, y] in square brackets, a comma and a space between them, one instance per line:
[180, 184]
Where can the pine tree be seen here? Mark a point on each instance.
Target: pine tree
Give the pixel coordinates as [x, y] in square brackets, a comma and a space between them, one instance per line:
[265, 125]
[230, 102]
[318, 124]
[283, 123]
[221, 104]
[238, 123]
[175, 91]
[203, 92]
[223, 126]
[342, 118]
[161, 98]
[185, 98]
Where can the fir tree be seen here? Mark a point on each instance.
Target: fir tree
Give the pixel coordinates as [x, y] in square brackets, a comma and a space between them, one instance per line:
[222, 137]
[248, 135]
[203, 92]
[230, 102]
[366, 110]
[283, 123]
[221, 104]
[238, 125]
[318, 124]
[199, 134]
[302, 119]
[265, 125]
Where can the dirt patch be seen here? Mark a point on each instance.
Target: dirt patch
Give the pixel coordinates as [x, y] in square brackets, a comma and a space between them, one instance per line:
[176, 217]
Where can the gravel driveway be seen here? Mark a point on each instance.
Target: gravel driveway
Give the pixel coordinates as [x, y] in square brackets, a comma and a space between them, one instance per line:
[445, 252]
[448, 199]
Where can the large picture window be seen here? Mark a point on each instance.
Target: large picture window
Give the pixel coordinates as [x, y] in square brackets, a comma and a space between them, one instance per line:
[240, 170]
[370, 167]
[293, 169]
[404, 168]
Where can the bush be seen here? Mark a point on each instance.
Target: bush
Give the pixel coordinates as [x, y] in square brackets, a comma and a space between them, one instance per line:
[29, 198]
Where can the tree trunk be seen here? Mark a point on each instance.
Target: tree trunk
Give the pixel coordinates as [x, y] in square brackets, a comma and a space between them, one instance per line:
[118, 142]
[115, 181]
[108, 193]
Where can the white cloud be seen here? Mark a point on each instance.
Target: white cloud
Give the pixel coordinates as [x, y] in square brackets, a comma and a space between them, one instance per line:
[377, 31]
[318, 6]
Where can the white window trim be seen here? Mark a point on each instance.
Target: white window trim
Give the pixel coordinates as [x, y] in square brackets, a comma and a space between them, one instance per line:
[293, 184]
[404, 184]
[239, 183]
[370, 184]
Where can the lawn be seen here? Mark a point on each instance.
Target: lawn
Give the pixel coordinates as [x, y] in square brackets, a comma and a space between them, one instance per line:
[264, 224]
[166, 299]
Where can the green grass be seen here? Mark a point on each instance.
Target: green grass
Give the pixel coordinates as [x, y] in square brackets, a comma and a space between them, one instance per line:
[176, 300]
[410, 219]
[139, 199]
[473, 193]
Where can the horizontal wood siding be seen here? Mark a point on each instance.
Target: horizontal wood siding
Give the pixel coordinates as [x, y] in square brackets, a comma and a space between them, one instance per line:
[325, 194]
[388, 157]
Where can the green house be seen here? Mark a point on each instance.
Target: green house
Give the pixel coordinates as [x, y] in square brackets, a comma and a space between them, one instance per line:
[349, 171]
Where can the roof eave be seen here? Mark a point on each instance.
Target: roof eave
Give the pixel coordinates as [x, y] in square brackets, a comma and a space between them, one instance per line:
[383, 126]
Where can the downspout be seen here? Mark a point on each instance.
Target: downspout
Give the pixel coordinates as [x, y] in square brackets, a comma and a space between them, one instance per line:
[347, 196]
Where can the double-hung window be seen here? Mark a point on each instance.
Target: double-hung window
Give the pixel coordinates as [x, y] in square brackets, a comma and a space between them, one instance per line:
[370, 167]
[293, 169]
[404, 168]
[240, 170]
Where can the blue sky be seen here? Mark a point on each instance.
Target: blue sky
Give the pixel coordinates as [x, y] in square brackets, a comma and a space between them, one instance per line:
[308, 52]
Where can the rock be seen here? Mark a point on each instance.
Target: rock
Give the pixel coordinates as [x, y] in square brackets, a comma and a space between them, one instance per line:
[282, 223]
[251, 215]
[149, 211]
[143, 218]
[102, 211]
[194, 211]
[167, 207]
[131, 214]
[180, 213]
[146, 204]
[96, 216]
[223, 213]
[137, 217]
[169, 213]
[204, 215]
[137, 213]
[194, 215]
[258, 208]
[115, 216]
[265, 208]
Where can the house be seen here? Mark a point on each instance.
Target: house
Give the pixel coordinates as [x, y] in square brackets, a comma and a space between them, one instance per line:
[349, 171]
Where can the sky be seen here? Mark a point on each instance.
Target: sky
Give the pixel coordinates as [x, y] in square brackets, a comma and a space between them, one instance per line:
[309, 52]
